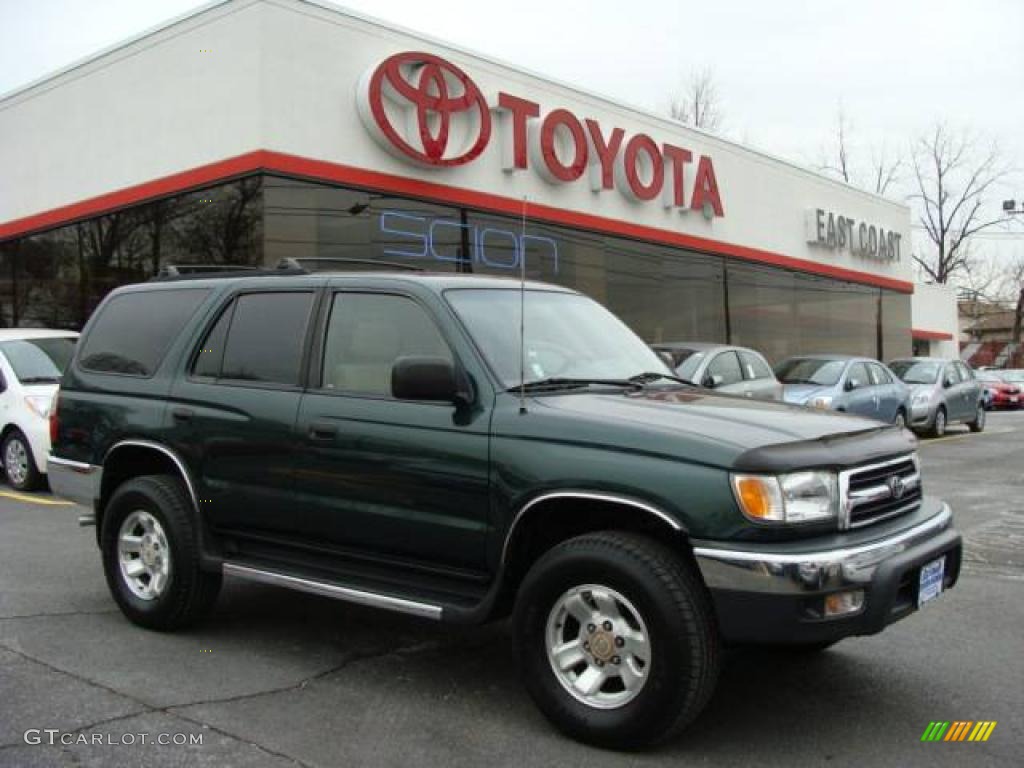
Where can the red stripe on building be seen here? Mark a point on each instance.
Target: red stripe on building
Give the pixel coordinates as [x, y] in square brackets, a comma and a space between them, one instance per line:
[921, 335]
[319, 170]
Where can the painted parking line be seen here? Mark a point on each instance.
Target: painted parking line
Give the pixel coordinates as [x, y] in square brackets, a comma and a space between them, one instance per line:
[964, 436]
[35, 499]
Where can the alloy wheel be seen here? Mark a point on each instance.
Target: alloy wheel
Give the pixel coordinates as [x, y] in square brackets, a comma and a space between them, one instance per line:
[144, 555]
[598, 646]
[16, 461]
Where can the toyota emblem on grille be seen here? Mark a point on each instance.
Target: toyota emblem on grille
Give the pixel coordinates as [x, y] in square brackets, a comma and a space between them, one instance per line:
[425, 109]
[896, 487]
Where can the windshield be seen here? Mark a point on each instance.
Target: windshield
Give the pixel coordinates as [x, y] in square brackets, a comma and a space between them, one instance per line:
[916, 372]
[39, 361]
[688, 368]
[567, 336]
[1016, 377]
[987, 376]
[824, 373]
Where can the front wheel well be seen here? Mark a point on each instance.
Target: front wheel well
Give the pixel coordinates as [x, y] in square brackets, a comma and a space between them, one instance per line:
[551, 522]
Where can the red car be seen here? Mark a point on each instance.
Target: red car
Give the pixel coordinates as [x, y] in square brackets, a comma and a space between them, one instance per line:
[1000, 393]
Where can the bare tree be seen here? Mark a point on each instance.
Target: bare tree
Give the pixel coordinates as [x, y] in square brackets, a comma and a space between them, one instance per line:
[698, 104]
[880, 174]
[953, 176]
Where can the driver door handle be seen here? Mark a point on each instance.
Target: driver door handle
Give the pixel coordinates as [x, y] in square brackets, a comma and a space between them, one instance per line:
[323, 430]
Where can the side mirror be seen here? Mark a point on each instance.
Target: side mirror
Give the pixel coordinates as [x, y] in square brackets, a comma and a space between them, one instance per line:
[426, 378]
[851, 384]
[947, 382]
[712, 381]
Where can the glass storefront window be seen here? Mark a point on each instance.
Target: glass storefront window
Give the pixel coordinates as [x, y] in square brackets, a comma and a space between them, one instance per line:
[57, 278]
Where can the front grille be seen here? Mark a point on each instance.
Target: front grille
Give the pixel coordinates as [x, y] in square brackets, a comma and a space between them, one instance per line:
[880, 491]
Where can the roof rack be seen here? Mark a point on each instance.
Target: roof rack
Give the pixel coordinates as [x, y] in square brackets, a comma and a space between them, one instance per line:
[173, 272]
[298, 263]
[287, 266]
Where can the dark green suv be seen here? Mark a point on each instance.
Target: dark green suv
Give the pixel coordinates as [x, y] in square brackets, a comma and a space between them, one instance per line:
[387, 439]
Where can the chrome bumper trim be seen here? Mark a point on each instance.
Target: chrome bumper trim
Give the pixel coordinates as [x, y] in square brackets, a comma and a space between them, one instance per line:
[74, 480]
[777, 573]
[335, 591]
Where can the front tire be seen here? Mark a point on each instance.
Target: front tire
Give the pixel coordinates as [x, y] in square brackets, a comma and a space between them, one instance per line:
[978, 425]
[900, 420]
[939, 426]
[19, 466]
[151, 555]
[617, 639]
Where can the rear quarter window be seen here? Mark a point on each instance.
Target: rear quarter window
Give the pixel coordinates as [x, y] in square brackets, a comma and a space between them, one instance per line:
[133, 331]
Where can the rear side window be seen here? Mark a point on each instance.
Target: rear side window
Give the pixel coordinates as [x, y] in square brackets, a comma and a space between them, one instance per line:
[754, 367]
[133, 331]
[262, 337]
[879, 375]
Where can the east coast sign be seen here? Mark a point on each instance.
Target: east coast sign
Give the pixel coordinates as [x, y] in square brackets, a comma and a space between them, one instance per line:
[837, 232]
[425, 110]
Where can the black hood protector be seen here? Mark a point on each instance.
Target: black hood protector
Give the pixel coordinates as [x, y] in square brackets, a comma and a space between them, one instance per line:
[840, 451]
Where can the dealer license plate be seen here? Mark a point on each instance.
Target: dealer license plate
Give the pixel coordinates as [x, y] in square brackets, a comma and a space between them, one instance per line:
[1013, 398]
[932, 575]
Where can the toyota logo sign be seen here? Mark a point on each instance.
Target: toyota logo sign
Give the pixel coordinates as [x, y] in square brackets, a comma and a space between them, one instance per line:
[425, 109]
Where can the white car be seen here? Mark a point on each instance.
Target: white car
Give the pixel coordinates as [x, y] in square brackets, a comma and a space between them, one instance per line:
[31, 363]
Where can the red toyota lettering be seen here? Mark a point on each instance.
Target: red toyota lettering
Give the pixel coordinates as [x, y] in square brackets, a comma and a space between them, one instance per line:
[604, 152]
[705, 189]
[515, 111]
[559, 171]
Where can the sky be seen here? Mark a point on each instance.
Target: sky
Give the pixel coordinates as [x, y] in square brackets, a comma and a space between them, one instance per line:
[782, 67]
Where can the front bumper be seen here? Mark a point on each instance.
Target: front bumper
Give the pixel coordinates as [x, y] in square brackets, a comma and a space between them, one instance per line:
[773, 597]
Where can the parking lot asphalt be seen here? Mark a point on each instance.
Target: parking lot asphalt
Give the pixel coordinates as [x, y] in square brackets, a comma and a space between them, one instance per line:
[277, 678]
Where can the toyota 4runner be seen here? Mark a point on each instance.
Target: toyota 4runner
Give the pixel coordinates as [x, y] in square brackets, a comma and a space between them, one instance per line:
[391, 439]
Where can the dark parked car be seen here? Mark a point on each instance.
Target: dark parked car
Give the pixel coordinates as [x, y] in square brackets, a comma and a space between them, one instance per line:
[855, 385]
[999, 393]
[943, 392]
[370, 438]
[732, 370]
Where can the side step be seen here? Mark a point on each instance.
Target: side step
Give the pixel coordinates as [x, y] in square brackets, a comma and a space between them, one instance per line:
[336, 591]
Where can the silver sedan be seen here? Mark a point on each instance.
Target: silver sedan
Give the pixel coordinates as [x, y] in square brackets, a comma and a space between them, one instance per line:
[723, 368]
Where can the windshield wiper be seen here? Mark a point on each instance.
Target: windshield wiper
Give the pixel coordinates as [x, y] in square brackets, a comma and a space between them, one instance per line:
[39, 380]
[556, 383]
[648, 376]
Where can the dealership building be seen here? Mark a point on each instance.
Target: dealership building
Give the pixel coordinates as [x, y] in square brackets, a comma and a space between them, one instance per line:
[253, 131]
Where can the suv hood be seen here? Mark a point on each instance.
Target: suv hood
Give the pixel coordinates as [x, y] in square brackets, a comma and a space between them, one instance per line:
[716, 429]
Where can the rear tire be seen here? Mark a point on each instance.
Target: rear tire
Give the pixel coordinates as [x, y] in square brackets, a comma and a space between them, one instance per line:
[19, 466]
[151, 555]
[978, 425]
[624, 587]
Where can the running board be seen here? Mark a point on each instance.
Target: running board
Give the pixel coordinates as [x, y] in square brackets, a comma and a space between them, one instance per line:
[327, 589]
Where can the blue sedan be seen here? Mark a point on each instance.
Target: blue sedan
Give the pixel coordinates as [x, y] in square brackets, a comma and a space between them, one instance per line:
[857, 385]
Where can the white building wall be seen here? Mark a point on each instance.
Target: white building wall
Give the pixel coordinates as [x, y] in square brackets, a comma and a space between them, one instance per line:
[183, 97]
[934, 310]
[282, 75]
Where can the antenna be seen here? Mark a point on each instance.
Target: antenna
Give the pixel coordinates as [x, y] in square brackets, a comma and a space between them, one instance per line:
[522, 313]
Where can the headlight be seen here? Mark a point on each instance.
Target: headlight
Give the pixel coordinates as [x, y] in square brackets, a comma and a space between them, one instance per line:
[39, 404]
[823, 402]
[921, 398]
[798, 497]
